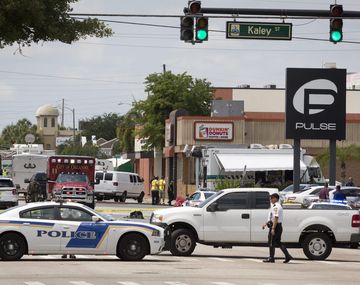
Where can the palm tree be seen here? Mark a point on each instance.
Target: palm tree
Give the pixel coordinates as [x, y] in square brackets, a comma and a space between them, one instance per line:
[343, 154]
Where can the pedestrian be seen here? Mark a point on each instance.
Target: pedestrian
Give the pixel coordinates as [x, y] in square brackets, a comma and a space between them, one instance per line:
[171, 194]
[350, 182]
[275, 230]
[339, 196]
[162, 184]
[155, 190]
[324, 193]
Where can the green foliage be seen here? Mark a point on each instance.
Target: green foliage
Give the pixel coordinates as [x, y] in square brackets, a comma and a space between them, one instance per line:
[16, 133]
[86, 150]
[168, 92]
[30, 21]
[226, 184]
[102, 126]
[126, 131]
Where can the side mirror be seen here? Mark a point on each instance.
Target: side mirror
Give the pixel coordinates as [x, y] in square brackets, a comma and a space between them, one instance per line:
[95, 219]
[26, 180]
[213, 207]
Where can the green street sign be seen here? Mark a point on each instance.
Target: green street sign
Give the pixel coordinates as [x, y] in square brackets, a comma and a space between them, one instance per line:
[258, 31]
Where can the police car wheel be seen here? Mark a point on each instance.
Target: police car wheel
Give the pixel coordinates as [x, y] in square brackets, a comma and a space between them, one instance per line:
[12, 247]
[317, 246]
[133, 247]
[182, 242]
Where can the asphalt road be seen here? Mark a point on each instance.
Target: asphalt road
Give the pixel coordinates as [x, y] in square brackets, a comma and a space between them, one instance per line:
[238, 266]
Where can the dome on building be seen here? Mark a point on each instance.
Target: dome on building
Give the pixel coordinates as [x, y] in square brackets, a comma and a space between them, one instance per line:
[47, 110]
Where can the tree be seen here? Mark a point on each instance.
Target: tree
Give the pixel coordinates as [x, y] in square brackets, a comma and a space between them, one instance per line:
[126, 131]
[24, 22]
[102, 126]
[168, 92]
[343, 154]
[86, 150]
[16, 133]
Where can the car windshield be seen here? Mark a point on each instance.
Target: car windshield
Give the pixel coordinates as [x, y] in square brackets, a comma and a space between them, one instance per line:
[208, 195]
[107, 218]
[6, 183]
[212, 197]
[62, 178]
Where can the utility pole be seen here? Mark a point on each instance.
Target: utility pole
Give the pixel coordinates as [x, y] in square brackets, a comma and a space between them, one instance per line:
[62, 112]
[74, 131]
[164, 68]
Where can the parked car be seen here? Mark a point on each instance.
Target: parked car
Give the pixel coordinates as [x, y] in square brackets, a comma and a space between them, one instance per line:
[195, 199]
[119, 186]
[308, 195]
[8, 193]
[290, 189]
[37, 187]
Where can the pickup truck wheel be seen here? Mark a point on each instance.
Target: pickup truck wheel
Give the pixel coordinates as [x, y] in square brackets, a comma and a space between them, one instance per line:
[354, 245]
[133, 247]
[317, 246]
[183, 242]
[12, 247]
[116, 199]
[99, 198]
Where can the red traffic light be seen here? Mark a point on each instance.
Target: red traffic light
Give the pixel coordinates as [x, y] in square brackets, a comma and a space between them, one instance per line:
[194, 7]
[202, 23]
[336, 10]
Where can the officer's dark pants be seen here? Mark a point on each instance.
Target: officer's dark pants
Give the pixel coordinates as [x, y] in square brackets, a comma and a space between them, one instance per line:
[155, 197]
[275, 241]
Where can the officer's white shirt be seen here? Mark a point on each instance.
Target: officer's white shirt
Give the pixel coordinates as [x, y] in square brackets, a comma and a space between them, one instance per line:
[276, 211]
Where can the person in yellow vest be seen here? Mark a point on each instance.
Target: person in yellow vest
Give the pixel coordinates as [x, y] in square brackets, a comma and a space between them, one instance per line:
[155, 190]
[162, 184]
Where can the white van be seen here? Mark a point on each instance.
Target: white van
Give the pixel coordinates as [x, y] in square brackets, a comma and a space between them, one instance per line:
[8, 194]
[119, 186]
[24, 166]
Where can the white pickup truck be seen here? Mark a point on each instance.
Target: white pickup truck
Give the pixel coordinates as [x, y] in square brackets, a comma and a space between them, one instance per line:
[234, 217]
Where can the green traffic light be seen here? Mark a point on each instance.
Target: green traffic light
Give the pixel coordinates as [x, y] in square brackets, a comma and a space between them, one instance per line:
[201, 35]
[336, 36]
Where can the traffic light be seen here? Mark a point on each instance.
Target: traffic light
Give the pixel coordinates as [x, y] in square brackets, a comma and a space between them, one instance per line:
[194, 7]
[187, 29]
[202, 29]
[336, 25]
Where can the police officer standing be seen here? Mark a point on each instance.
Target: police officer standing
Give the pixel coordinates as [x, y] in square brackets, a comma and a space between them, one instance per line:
[155, 190]
[162, 185]
[275, 230]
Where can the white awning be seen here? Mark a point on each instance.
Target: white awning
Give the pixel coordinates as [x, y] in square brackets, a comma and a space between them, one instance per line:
[236, 162]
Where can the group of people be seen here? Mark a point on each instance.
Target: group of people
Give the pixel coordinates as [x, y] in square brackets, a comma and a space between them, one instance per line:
[158, 186]
[338, 194]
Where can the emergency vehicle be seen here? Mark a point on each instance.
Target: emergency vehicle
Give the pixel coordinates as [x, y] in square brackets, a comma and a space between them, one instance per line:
[72, 178]
[72, 228]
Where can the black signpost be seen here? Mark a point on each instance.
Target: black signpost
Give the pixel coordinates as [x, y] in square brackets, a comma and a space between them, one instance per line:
[315, 109]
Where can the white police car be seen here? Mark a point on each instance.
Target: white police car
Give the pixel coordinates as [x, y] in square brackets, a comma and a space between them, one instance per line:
[72, 228]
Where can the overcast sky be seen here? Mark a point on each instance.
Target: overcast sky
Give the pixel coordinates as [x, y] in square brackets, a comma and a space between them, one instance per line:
[95, 75]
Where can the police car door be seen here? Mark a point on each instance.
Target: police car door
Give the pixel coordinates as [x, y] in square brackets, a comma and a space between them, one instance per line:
[230, 219]
[80, 234]
[43, 234]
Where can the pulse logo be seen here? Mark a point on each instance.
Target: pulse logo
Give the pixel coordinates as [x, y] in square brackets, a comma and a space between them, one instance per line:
[315, 97]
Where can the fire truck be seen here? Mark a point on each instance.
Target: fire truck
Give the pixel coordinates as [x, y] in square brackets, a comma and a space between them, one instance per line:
[71, 178]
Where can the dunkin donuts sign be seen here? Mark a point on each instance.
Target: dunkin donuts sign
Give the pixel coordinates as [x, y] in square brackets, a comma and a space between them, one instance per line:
[213, 131]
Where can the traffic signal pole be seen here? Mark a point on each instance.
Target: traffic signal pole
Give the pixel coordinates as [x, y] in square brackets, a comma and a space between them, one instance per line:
[275, 12]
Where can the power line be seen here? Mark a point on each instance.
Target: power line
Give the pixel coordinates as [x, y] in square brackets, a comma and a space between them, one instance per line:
[70, 78]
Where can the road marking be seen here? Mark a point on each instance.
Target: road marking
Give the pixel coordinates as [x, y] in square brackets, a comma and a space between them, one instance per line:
[127, 283]
[34, 283]
[174, 283]
[253, 260]
[328, 262]
[80, 283]
[220, 259]
[221, 283]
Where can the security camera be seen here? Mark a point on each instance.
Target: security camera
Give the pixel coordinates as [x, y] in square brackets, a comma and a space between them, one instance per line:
[186, 148]
[193, 149]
